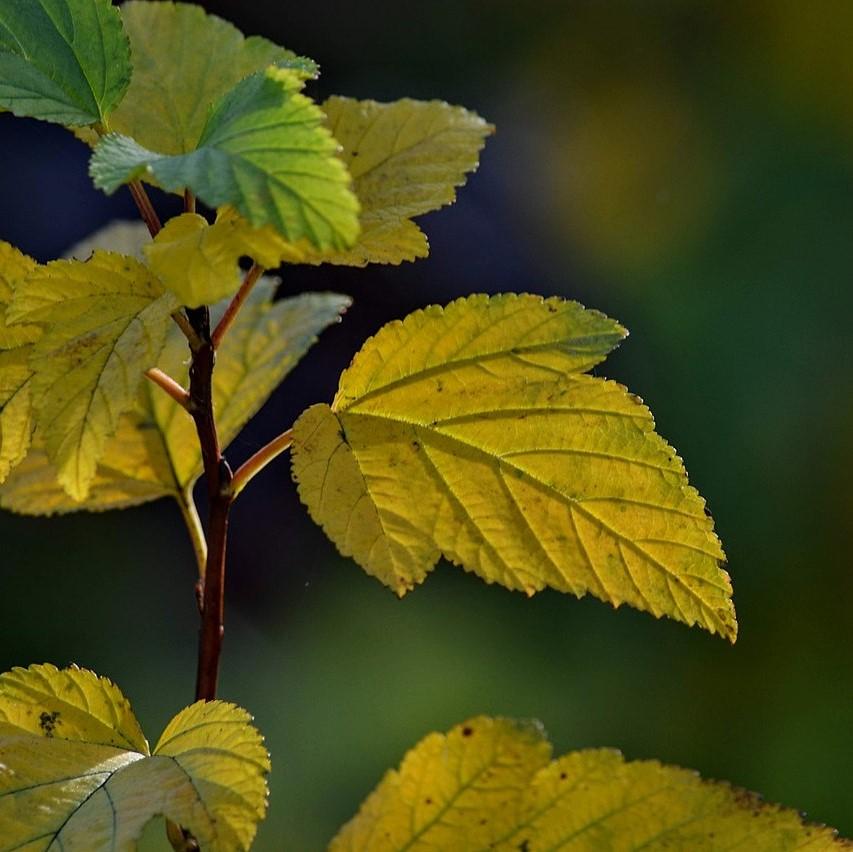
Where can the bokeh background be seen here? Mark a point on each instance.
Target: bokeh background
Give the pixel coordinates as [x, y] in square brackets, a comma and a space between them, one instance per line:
[685, 167]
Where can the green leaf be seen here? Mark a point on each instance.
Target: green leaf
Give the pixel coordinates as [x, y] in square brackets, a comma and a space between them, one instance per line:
[77, 771]
[472, 432]
[16, 343]
[265, 150]
[66, 61]
[406, 158]
[155, 451]
[175, 80]
[488, 784]
[104, 322]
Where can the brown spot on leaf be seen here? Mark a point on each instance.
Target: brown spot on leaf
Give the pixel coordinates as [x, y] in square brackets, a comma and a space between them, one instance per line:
[467, 731]
[47, 722]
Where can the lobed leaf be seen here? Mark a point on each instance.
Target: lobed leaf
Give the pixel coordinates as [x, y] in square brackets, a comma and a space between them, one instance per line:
[263, 149]
[472, 432]
[488, 784]
[174, 82]
[406, 158]
[66, 61]
[155, 452]
[104, 324]
[77, 771]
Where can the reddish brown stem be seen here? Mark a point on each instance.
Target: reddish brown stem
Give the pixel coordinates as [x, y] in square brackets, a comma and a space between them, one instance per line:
[218, 476]
[189, 201]
[145, 207]
[236, 303]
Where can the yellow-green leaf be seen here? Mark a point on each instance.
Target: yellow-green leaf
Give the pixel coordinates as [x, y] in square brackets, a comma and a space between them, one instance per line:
[195, 260]
[406, 158]
[77, 773]
[472, 432]
[489, 784]
[155, 451]
[104, 322]
[183, 61]
[16, 420]
[265, 151]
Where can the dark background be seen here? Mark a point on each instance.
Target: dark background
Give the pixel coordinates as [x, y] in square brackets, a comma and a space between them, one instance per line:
[685, 167]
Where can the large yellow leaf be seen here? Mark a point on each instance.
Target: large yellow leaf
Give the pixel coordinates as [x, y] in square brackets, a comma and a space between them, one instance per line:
[155, 451]
[488, 785]
[406, 158]
[104, 323]
[16, 420]
[77, 772]
[472, 432]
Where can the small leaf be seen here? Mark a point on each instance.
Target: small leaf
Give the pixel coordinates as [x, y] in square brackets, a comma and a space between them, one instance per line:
[155, 450]
[16, 343]
[77, 771]
[195, 260]
[265, 150]
[105, 322]
[66, 61]
[406, 158]
[174, 80]
[488, 785]
[472, 432]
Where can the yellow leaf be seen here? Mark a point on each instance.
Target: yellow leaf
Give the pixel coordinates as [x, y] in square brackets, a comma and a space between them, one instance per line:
[195, 260]
[16, 421]
[457, 791]
[488, 785]
[155, 451]
[406, 158]
[77, 773]
[471, 432]
[104, 323]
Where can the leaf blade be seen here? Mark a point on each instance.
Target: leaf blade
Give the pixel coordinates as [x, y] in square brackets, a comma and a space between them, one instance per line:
[265, 150]
[66, 61]
[473, 433]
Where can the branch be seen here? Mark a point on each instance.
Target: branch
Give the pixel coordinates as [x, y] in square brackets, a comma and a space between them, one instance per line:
[236, 303]
[170, 386]
[249, 469]
[218, 476]
[145, 207]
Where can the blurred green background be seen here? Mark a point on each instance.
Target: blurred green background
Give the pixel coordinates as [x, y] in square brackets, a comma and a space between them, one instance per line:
[685, 167]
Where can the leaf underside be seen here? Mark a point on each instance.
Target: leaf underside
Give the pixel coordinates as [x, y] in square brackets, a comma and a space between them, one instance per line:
[474, 433]
[66, 61]
[77, 772]
[490, 784]
[155, 451]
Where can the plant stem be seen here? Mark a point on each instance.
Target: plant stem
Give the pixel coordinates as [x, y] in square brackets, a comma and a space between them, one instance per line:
[195, 529]
[218, 476]
[145, 207]
[189, 201]
[260, 460]
[170, 386]
[236, 303]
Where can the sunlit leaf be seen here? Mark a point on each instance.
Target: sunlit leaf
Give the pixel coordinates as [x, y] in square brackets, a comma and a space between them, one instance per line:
[472, 432]
[155, 452]
[77, 772]
[265, 150]
[195, 260]
[183, 61]
[62, 60]
[104, 322]
[16, 420]
[406, 158]
[488, 785]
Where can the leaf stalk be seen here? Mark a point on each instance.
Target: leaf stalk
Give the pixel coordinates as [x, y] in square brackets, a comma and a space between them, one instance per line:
[236, 303]
[254, 465]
